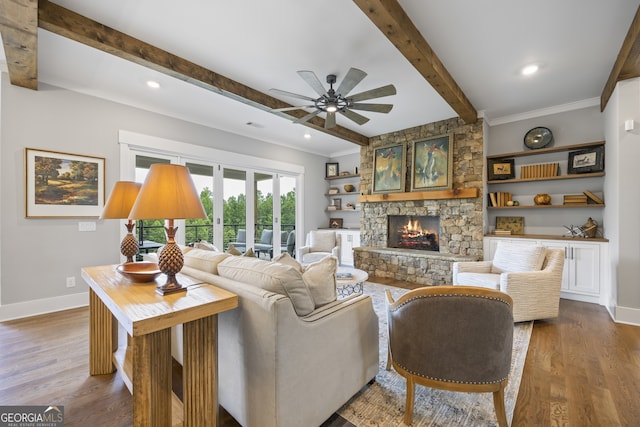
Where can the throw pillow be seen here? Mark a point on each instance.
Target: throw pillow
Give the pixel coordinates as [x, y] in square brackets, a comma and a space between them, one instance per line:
[203, 244]
[249, 253]
[322, 241]
[271, 276]
[285, 258]
[233, 251]
[320, 278]
[514, 257]
[204, 260]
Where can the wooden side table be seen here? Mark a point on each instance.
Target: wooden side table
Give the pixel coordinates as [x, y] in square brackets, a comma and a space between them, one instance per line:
[148, 317]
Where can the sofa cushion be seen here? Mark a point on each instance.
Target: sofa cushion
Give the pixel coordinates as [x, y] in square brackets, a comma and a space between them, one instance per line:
[322, 241]
[320, 278]
[204, 260]
[271, 276]
[203, 244]
[511, 258]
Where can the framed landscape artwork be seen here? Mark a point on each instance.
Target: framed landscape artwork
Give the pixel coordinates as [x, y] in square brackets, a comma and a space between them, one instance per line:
[500, 169]
[432, 164]
[586, 161]
[389, 169]
[59, 185]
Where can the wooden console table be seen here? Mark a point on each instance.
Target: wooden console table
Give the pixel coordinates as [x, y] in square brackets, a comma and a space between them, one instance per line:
[148, 317]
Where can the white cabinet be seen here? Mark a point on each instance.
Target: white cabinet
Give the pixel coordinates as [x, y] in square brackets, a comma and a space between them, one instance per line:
[349, 239]
[585, 268]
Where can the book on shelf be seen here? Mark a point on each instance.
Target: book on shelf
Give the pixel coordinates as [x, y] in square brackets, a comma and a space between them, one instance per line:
[344, 276]
[499, 232]
[575, 199]
[593, 197]
[332, 208]
[500, 198]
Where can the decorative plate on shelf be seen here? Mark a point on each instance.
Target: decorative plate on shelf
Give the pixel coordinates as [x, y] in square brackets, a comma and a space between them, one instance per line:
[538, 137]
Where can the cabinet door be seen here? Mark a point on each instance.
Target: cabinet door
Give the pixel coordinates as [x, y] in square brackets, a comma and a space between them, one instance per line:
[565, 271]
[585, 267]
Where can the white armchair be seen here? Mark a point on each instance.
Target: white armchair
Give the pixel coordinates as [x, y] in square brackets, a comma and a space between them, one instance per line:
[319, 244]
[531, 275]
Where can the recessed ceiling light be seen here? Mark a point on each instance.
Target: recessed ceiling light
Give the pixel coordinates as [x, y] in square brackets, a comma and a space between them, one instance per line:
[153, 84]
[530, 69]
[307, 135]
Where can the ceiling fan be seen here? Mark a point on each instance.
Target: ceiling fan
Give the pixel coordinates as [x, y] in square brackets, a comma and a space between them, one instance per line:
[336, 101]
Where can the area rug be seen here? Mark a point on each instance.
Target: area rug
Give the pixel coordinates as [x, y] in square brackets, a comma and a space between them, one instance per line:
[382, 403]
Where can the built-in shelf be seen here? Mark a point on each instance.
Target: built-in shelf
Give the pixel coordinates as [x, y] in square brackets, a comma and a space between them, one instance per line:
[569, 206]
[548, 237]
[546, 150]
[460, 193]
[342, 210]
[353, 193]
[547, 178]
[351, 175]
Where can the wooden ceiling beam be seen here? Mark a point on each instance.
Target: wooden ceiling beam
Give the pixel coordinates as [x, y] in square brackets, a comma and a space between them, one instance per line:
[395, 24]
[74, 26]
[627, 65]
[19, 29]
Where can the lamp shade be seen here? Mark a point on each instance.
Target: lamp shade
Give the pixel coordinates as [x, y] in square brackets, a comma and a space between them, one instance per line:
[122, 197]
[168, 192]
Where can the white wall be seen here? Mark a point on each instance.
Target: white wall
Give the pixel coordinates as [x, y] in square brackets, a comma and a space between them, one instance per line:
[623, 198]
[38, 254]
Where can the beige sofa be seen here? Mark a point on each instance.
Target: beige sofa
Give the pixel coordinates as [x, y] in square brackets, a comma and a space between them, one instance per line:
[283, 359]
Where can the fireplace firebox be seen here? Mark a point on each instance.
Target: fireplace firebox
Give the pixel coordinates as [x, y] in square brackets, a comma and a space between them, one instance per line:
[413, 232]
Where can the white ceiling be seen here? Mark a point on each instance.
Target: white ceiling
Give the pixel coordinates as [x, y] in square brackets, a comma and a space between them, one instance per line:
[261, 44]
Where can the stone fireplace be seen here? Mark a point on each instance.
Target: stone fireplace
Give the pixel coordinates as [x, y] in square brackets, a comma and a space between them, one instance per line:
[409, 232]
[460, 230]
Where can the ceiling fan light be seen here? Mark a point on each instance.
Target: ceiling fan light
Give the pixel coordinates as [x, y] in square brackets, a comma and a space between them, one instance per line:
[332, 108]
[530, 69]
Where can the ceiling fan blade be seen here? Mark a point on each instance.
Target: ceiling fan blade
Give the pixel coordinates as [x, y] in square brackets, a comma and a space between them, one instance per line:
[376, 108]
[307, 117]
[353, 77]
[301, 107]
[330, 121]
[374, 93]
[352, 115]
[291, 94]
[312, 80]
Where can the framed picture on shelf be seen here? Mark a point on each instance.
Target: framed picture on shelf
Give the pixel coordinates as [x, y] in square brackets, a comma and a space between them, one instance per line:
[432, 164]
[389, 169]
[500, 169]
[331, 169]
[586, 161]
[337, 203]
[335, 223]
[63, 185]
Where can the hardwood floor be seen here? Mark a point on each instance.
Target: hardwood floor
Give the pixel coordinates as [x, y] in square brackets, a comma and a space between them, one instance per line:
[582, 369]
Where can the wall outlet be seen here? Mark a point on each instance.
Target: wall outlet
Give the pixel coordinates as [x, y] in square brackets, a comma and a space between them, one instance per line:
[71, 282]
[87, 226]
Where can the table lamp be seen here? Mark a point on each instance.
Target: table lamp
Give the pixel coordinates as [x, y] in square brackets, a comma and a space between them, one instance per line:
[168, 193]
[118, 206]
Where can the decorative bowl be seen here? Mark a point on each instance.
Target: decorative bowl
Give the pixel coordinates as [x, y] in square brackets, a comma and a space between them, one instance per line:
[143, 271]
[542, 199]
[349, 188]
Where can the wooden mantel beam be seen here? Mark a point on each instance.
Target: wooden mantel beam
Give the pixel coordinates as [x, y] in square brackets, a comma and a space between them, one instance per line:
[74, 26]
[19, 29]
[627, 65]
[394, 23]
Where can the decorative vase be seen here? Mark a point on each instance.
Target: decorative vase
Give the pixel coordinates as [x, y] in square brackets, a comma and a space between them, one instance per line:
[542, 199]
[349, 188]
[590, 228]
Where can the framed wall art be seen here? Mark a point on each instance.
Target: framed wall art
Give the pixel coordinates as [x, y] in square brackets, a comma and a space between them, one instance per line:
[500, 169]
[432, 164]
[335, 223]
[331, 169]
[389, 169]
[59, 185]
[586, 161]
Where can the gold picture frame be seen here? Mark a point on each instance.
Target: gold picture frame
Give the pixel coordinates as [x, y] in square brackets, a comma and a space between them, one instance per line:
[432, 164]
[389, 169]
[63, 185]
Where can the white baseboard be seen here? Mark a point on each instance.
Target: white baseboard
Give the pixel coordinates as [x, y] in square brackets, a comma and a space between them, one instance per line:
[42, 306]
[628, 315]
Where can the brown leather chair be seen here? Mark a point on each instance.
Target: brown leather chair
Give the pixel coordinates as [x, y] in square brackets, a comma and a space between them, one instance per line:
[456, 338]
